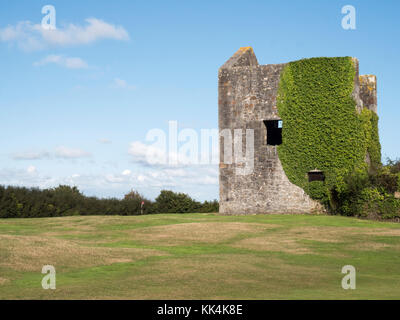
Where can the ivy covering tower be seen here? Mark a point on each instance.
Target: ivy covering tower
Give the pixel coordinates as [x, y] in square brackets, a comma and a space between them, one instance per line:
[314, 121]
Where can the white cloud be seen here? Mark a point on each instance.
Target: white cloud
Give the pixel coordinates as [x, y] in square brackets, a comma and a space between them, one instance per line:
[111, 178]
[67, 62]
[60, 152]
[159, 173]
[30, 155]
[24, 34]
[150, 155]
[31, 169]
[22, 177]
[70, 153]
[147, 155]
[29, 36]
[122, 84]
[164, 178]
[105, 141]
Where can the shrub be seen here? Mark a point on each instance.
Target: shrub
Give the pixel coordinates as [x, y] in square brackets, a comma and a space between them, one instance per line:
[393, 165]
[387, 181]
[367, 194]
[209, 206]
[132, 204]
[171, 202]
[318, 191]
[389, 208]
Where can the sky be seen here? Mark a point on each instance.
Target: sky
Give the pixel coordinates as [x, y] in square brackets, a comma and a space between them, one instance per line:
[77, 103]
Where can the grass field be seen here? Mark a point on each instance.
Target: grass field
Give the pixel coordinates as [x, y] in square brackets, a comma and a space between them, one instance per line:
[199, 256]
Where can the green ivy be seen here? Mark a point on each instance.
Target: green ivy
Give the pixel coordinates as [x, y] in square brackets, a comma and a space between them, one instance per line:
[374, 146]
[321, 127]
[317, 190]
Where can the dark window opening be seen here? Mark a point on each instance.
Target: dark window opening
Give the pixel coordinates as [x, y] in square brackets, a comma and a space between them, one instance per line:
[316, 175]
[274, 132]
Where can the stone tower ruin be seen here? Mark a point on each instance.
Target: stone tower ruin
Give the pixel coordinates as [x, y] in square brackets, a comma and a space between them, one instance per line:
[248, 100]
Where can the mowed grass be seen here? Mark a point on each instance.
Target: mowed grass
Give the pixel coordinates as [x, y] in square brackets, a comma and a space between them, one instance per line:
[199, 256]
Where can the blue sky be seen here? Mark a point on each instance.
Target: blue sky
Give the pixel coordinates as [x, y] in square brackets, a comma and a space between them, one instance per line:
[71, 107]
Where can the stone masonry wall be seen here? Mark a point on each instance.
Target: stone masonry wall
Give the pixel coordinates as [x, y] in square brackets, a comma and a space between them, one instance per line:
[247, 96]
[368, 91]
[365, 90]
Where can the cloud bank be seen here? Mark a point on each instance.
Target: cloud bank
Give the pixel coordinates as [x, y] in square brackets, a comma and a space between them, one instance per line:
[30, 37]
[61, 152]
[66, 62]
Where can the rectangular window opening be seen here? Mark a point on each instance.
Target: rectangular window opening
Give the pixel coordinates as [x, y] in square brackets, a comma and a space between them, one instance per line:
[274, 132]
[316, 175]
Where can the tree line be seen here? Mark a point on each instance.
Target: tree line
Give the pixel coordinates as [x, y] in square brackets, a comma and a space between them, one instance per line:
[22, 202]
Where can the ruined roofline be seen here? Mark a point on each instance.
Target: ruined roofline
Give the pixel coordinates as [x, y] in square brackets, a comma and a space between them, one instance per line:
[245, 57]
[365, 86]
